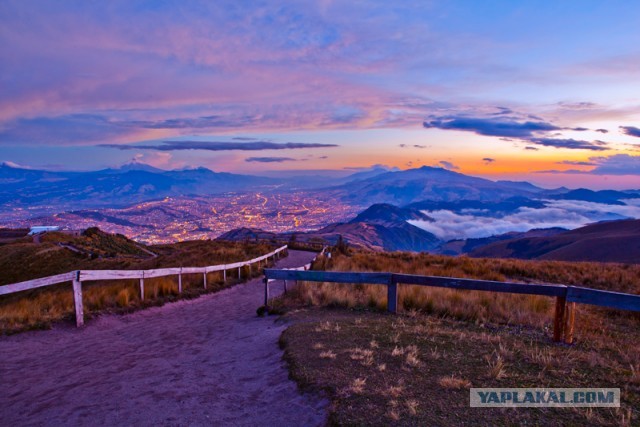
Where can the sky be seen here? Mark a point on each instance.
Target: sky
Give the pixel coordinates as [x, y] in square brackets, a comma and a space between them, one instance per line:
[547, 92]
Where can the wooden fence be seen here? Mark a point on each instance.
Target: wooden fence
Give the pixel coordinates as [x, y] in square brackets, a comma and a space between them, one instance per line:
[566, 296]
[79, 276]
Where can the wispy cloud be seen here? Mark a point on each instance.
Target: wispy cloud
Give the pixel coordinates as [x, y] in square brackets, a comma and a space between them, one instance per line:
[448, 165]
[488, 160]
[631, 130]
[272, 159]
[572, 144]
[490, 126]
[219, 146]
[507, 128]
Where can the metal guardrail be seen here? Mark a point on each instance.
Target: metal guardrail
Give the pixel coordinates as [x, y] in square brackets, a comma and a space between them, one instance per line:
[79, 276]
[566, 296]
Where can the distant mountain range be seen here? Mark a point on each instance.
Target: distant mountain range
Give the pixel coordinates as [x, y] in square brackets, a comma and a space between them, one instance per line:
[611, 241]
[400, 210]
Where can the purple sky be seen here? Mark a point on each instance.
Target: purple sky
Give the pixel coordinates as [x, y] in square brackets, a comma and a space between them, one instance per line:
[547, 91]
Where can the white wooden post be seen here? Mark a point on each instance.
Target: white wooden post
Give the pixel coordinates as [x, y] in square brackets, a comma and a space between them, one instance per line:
[142, 288]
[239, 277]
[77, 299]
[205, 279]
[224, 276]
[180, 281]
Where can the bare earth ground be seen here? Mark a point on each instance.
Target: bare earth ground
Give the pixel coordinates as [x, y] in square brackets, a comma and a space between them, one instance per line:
[207, 361]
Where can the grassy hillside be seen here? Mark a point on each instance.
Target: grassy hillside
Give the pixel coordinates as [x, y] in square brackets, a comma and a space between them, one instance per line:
[94, 250]
[416, 368]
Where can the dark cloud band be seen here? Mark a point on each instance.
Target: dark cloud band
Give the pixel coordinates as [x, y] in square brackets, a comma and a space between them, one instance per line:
[219, 146]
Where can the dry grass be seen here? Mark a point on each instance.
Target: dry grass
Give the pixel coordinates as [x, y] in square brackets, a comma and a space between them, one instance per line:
[448, 339]
[40, 307]
[476, 306]
[436, 391]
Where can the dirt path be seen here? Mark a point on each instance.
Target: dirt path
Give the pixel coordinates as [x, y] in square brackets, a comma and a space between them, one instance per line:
[208, 361]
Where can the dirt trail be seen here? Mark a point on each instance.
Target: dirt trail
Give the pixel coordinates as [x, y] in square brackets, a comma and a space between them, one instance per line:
[208, 361]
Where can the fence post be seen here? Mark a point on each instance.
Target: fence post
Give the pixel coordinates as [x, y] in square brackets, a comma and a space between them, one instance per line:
[204, 277]
[180, 281]
[392, 296]
[558, 319]
[285, 286]
[569, 326]
[224, 276]
[77, 299]
[266, 291]
[142, 287]
[239, 276]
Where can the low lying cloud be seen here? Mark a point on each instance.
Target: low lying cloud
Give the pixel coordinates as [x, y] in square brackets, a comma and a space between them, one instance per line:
[271, 159]
[218, 146]
[488, 160]
[568, 214]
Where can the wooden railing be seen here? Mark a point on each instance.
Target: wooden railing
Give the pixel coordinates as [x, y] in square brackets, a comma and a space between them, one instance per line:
[79, 276]
[566, 296]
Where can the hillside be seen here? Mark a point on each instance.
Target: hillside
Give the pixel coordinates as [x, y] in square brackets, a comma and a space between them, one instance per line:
[614, 241]
[60, 253]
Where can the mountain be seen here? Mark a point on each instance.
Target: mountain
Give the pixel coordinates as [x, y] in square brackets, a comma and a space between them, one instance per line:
[460, 247]
[133, 183]
[423, 184]
[611, 241]
[381, 227]
[384, 213]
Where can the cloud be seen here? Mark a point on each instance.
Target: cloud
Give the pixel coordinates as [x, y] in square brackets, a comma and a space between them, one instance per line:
[507, 128]
[530, 148]
[572, 144]
[631, 130]
[219, 146]
[488, 160]
[568, 214]
[602, 130]
[575, 163]
[271, 159]
[490, 126]
[618, 164]
[448, 165]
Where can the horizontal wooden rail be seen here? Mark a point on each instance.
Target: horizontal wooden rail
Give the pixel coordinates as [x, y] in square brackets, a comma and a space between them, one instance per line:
[79, 276]
[566, 296]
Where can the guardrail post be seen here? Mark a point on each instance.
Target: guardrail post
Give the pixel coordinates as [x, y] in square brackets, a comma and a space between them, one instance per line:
[558, 319]
[392, 296]
[285, 286]
[224, 276]
[142, 287]
[239, 276]
[570, 323]
[266, 291]
[204, 279]
[180, 281]
[77, 299]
